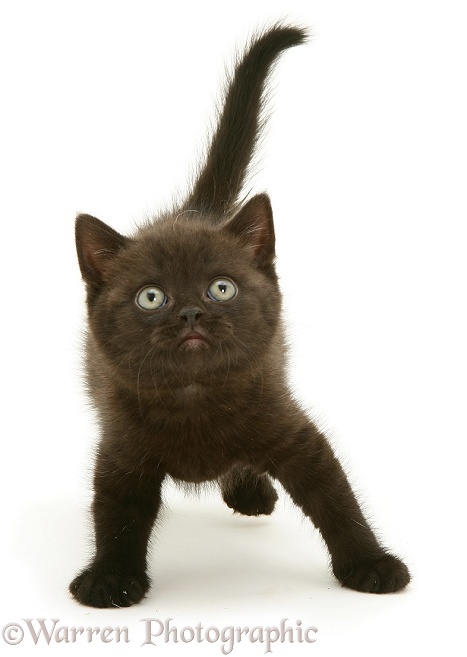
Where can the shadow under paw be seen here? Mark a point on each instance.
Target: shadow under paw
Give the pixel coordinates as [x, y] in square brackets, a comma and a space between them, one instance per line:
[387, 574]
[101, 587]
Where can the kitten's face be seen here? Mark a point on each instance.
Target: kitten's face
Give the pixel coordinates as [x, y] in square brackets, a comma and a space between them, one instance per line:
[184, 299]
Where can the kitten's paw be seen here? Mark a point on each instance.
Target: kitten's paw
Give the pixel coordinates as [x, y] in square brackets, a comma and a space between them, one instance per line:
[386, 574]
[253, 500]
[101, 587]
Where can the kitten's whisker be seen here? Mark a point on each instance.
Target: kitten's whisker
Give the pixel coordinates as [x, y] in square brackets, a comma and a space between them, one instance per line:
[138, 390]
[180, 214]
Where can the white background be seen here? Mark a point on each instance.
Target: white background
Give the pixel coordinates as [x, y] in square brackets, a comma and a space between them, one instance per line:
[105, 107]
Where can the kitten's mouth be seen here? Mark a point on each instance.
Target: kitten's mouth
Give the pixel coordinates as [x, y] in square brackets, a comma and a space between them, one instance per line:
[194, 340]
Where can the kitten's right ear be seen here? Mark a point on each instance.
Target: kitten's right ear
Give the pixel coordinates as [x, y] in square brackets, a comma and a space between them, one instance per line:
[97, 244]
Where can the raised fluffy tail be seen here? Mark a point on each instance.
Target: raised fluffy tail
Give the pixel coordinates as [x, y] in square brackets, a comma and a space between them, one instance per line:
[220, 180]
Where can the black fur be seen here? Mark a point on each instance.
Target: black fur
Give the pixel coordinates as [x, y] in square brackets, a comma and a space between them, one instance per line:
[186, 368]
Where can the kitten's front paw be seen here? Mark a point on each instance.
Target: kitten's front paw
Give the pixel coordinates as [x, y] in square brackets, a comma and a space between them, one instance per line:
[384, 575]
[103, 587]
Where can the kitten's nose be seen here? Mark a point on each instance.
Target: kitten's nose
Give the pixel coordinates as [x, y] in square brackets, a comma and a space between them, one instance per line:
[190, 315]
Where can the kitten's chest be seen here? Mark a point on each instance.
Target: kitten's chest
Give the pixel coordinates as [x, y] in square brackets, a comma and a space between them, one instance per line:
[199, 406]
[196, 451]
[200, 436]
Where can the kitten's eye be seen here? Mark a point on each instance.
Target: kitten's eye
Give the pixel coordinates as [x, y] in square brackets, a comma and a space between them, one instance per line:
[222, 289]
[151, 298]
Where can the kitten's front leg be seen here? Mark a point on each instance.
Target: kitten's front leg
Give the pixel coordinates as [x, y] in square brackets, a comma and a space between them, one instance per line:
[125, 507]
[314, 478]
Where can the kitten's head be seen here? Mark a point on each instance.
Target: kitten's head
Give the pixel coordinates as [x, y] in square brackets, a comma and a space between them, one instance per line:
[185, 298]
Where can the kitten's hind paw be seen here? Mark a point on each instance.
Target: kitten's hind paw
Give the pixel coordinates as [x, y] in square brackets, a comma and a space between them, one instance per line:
[101, 587]
[386, 574]
[250, 494]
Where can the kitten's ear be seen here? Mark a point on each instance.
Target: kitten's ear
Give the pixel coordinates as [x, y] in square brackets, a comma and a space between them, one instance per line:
[254, 226]
[96, 244]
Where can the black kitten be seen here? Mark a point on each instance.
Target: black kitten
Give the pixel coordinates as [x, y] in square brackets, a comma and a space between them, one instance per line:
[185, 362]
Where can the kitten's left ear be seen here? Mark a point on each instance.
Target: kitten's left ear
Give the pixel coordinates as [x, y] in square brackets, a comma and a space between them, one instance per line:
[254, 226]
[97, 244]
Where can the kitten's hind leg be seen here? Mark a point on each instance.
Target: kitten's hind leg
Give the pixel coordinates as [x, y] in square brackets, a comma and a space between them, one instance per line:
[247, 492]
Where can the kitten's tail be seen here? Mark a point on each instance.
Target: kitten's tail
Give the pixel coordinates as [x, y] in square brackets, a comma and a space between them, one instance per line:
[220, 180]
